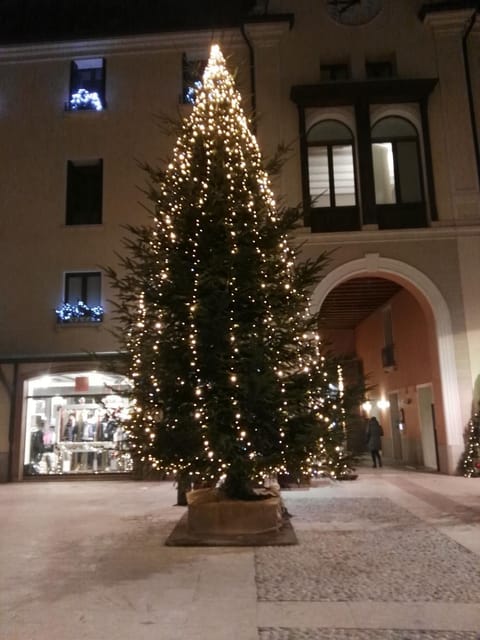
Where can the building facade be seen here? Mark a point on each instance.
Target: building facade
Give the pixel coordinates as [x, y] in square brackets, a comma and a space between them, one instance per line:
[379, 104]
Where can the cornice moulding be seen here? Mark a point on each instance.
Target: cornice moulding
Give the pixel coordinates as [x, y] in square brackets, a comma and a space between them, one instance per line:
[304, 235]
[173, 41]
[266, 34]
[449, 21]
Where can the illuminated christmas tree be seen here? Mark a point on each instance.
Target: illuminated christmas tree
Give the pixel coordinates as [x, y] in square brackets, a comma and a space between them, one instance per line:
[229, 380]
[470, 463]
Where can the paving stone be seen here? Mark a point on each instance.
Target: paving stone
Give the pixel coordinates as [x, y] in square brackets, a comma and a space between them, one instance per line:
[271, 633]
[386, 555]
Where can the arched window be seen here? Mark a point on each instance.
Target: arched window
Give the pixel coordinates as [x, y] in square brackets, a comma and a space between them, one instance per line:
[396, 162]
[330, 165]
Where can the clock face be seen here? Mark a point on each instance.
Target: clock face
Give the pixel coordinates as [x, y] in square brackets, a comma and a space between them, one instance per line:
[351, 12]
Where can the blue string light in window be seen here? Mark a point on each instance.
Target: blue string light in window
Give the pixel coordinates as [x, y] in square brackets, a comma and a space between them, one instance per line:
[79, 312]
[191, 91]
[84, 99]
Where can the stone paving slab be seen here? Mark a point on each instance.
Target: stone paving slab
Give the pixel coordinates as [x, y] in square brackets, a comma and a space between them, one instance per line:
[279, 633]
[368, 549]
[88, 561]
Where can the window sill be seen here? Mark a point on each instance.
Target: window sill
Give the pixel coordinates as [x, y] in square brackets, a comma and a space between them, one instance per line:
[86, 226]
[61, 324]
[84, 113]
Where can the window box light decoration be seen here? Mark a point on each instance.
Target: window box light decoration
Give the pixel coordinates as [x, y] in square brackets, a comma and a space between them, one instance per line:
[68, 313]
[84, 100]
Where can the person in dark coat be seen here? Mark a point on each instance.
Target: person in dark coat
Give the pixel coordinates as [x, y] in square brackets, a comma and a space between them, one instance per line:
[374, 443]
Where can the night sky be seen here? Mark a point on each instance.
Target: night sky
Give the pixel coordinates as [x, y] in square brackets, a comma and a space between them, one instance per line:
[37, 20]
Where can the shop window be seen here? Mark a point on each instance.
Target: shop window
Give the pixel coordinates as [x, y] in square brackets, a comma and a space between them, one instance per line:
[82, 299]
[76, 424]
[396, 162]
[87, 85]
[84, 192]
[331, 173]
[334, 72]
[192, 74]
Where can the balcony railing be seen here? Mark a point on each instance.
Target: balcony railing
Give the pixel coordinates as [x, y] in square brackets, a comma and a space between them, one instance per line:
[68, 313]
[84, 100]
[325, 219]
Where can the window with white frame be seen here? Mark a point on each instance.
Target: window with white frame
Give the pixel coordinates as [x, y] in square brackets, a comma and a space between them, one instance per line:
[87, 85]
[331, 172]
[396, 162]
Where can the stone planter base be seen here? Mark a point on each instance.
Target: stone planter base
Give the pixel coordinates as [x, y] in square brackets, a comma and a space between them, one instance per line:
[212, 521]
[235, 517]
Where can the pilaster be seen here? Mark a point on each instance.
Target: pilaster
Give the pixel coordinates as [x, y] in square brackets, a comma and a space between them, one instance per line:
[448, 29]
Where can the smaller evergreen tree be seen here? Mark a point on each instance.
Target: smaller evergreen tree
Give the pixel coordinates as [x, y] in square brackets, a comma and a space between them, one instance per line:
[470, 464]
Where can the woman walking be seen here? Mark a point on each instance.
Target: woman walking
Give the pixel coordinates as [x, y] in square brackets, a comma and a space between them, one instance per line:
[374, 443]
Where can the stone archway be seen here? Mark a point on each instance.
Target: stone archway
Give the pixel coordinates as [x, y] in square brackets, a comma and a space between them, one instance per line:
[428, 294]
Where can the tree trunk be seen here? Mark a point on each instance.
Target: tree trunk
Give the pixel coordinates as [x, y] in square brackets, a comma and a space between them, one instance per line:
[183, 485]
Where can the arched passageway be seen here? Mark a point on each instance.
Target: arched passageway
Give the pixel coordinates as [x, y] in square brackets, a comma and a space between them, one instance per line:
[395, 322]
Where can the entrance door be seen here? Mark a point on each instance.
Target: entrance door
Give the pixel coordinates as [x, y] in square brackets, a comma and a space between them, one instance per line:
[427, 426]
[396, 421]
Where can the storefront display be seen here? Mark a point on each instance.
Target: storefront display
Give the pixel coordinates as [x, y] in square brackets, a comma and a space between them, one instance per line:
[75, 423]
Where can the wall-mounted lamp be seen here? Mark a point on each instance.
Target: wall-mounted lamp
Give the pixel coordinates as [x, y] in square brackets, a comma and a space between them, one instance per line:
[383, 404]
[367, 406]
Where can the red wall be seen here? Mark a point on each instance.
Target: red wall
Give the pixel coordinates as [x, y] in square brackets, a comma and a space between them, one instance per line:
[416, 364]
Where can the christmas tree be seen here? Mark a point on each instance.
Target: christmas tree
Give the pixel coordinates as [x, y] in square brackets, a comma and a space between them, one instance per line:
[229, 380]
[470, 464]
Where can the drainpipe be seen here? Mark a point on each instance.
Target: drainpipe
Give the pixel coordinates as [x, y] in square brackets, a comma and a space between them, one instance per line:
[471, 102]
[252, 78]
[11, 429]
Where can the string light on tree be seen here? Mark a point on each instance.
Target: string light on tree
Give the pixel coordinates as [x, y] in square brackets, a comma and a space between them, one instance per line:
[470, 465]
[214, 313]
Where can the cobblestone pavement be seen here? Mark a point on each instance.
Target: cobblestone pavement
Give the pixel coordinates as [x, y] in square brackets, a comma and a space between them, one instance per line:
[368, 549]
[391, 556]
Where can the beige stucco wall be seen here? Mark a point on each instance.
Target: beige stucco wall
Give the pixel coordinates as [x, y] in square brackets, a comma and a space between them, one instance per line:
[144, 79]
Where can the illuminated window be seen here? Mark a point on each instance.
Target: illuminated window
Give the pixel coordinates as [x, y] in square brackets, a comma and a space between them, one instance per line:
[82, 297]
[76, 423]
[87, 85]
[396, 162]
[192, 74]
[331, 171]
[84, 192]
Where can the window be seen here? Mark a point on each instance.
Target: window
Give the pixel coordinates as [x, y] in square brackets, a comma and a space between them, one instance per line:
[83, 287]
[380, 69]
[82, 298]
[192, 74]
[388, 352]
[75, 423]
[84, 192]
[396, 162]
[87, 85]
[330, 165]
[329, 72]
[386, 179]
